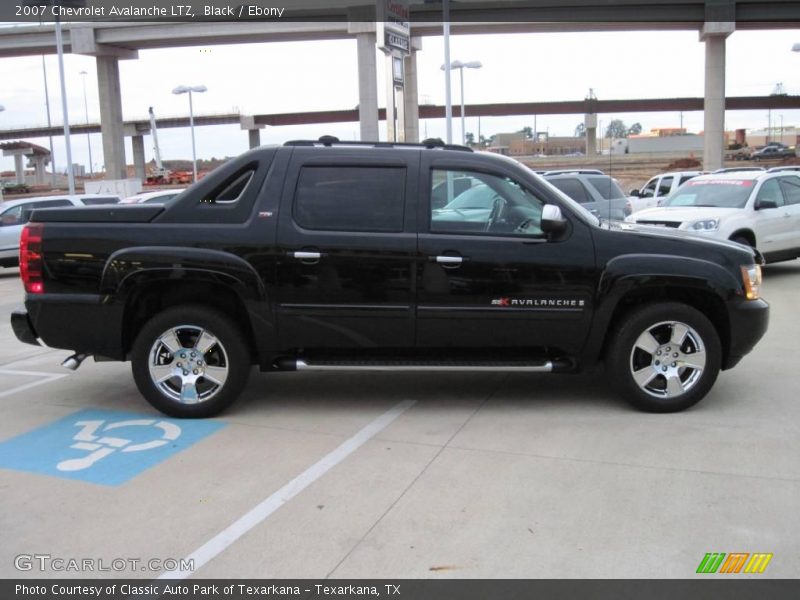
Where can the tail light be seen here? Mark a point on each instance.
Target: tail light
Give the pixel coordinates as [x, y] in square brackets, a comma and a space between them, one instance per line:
[30, 258]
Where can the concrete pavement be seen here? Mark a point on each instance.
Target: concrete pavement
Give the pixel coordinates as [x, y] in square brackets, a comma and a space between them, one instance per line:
[483, 476]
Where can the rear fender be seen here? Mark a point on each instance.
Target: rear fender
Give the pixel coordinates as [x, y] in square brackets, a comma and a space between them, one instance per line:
[134, 268]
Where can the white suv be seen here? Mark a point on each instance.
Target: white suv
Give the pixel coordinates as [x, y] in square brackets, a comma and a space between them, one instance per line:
[759, 209]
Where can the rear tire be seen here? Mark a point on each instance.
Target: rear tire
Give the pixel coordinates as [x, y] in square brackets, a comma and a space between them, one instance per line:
[664, 357]
[190, 361]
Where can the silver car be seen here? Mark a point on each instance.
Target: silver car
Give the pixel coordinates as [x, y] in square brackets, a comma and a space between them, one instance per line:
[15, 213]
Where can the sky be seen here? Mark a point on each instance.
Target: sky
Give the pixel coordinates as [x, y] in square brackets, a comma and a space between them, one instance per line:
[322, 75]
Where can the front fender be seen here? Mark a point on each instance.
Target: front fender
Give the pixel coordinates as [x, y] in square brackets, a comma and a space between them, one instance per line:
[659, 277]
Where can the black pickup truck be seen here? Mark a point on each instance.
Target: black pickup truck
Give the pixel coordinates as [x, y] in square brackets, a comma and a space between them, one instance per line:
[374, 256]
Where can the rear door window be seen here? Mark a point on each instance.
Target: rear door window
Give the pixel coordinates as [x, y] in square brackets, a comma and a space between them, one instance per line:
[572, 188]
[791, 189]
[344, 198]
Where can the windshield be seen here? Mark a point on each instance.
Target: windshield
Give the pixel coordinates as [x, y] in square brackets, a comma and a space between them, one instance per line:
[721, 193]
[606, 186]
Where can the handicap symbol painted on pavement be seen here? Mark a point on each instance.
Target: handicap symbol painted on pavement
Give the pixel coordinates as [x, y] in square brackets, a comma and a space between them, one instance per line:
[101, 446]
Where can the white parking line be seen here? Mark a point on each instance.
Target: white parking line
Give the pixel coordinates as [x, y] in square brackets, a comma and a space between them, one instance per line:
[269, 505]
[44, 378]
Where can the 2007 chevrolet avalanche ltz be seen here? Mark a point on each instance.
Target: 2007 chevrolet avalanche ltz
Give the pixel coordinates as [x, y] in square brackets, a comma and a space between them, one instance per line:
[372, 256]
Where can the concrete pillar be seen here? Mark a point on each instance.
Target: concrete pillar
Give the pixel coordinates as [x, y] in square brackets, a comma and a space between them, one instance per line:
[137, 144]
[411, 94]
[39, 163]
[19, 167]
[714, 34]
[254, 138]
[590, 124]
[111, 117]
[367, 87]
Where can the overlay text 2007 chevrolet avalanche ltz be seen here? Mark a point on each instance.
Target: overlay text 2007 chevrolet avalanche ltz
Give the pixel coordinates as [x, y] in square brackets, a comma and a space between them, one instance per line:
[321, 255]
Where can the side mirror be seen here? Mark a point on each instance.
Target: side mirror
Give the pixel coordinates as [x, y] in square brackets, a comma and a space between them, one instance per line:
[553, 222]
[763, 203]
[635, 193]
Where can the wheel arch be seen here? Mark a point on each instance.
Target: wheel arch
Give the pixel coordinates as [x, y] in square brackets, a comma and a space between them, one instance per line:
[633, 280]
[746, 233]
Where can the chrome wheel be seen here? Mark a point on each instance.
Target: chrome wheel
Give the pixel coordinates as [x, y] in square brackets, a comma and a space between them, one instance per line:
[188, 364]
[668, 359]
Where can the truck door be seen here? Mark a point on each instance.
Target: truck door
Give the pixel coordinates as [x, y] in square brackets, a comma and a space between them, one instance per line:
[487, 275]
[347, 248]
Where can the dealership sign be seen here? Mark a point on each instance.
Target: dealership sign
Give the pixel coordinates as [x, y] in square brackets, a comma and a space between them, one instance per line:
[394, 28]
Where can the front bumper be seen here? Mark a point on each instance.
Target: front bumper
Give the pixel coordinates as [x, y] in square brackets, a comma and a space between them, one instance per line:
[23, 328]
[749, 321]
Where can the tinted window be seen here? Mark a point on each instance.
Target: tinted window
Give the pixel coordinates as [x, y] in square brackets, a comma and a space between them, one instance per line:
[771, 192]
[606, 186]
[572, 188]
[230, 190]
[650, 189]
[686, 178]
[791, 189]
[491, 205]
[665, 186]
[350, 198]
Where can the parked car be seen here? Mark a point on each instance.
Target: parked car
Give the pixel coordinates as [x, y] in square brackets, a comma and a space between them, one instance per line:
[758, 209]
[658, 188]
[599, 194]
[331, 256]
[773, 152]
[738, 152]
[15, 213]
[157, 197]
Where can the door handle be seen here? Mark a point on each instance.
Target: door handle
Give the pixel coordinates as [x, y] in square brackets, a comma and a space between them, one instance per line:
[304, 255]
[449, 261]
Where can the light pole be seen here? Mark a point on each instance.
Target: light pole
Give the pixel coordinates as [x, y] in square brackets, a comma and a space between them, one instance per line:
[60, 52]
[457, 64]
[185, 89]
[86, 110]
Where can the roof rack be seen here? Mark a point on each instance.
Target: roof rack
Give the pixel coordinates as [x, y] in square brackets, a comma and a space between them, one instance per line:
[329, 140]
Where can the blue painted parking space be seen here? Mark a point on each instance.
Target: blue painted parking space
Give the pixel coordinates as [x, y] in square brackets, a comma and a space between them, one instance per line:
[102, 446]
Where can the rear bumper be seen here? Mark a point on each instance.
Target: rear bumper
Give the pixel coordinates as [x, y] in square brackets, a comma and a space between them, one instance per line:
[23, 328]
[749, 321]
[81, 323]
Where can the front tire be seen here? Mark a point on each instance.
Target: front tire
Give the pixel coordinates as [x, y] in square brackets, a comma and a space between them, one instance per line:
[190, 362]
[664, 357]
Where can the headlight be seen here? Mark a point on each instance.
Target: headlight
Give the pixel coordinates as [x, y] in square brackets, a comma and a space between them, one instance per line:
[751, 275]
[705, 225]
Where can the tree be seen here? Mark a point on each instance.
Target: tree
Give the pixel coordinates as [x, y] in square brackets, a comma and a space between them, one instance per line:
[580, 130]
[527, 131]
[470, 138]
[635, 129]
[616, 129]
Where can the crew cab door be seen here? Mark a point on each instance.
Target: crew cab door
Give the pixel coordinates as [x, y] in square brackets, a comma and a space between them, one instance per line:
[347, 246]
[487, 275]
